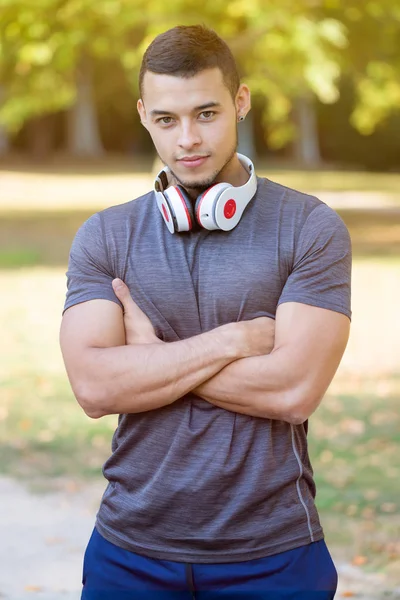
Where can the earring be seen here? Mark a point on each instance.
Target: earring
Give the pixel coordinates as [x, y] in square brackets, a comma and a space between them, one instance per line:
[240, 118]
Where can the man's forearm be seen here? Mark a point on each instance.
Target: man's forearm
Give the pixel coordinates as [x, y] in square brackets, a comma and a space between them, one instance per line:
[141, 377]
[257, 386]
[289, 383]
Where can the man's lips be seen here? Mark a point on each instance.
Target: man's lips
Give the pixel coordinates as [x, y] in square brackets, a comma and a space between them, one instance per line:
[192, 161]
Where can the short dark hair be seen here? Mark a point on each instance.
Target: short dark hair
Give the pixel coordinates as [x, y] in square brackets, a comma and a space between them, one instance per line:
[184, 51]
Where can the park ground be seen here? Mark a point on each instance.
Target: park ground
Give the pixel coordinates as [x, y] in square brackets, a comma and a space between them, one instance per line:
[51, 453]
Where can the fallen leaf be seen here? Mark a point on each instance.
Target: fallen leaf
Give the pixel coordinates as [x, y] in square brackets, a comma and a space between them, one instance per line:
[352, 426]
[388, 507]
[359, 560]
[371, 494]
[71, 486]
[368, 513]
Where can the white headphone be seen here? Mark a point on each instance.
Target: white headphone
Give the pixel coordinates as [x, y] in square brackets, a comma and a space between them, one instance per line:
[220, 207]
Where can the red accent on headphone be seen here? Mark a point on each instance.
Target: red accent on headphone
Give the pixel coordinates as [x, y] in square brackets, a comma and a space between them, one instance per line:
[202, 196]
[229, 209]
[165, 213]
[185, 207]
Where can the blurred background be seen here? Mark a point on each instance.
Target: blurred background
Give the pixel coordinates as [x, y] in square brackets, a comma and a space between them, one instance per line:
[325, 78]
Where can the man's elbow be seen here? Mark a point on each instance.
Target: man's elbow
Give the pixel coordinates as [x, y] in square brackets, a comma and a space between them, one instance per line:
[302, 403]
[90, 399]
[297, 418]
[288, 405]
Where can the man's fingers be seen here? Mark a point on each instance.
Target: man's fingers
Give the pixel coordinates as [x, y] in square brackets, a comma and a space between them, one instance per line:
[122, 292]
[131, 309]
[138, 327]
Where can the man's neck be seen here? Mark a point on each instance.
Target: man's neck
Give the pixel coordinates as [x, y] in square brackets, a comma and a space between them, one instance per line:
[234, 173]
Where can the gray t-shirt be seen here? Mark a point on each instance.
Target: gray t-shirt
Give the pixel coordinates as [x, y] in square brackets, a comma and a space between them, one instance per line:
[192, 482]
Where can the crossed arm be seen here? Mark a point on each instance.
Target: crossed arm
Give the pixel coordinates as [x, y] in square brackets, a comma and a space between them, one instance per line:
[289, 383]
[122, 367]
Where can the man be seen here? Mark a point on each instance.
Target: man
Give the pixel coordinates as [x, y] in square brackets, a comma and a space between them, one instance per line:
[214, 347]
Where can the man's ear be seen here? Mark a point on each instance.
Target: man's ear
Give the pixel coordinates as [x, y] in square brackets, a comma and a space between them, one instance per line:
[243, 100]
[142, 112]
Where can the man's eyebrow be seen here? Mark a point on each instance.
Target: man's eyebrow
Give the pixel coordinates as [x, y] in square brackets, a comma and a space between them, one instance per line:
[207, 105]
[158, 112]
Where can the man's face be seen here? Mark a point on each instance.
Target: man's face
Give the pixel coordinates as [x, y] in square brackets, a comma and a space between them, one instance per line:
[192, 123]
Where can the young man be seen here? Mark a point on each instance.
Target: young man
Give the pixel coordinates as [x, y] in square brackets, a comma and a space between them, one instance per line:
[214, 345]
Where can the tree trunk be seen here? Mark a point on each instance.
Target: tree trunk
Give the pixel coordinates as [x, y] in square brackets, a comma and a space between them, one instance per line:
[4, 142]
[40, 136]
[83, 128]
[307, 151]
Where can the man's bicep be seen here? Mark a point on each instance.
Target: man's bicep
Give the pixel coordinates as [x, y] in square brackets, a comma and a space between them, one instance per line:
[90, 272]
[321, 265]
[92, 324]
[313, 340]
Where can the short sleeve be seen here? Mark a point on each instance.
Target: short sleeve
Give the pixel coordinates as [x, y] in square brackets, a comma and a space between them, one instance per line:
[89, 275]
[321, 274]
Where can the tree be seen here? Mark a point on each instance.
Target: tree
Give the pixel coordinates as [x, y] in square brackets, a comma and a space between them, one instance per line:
[372, 59]
[47, 52]
[55, 55]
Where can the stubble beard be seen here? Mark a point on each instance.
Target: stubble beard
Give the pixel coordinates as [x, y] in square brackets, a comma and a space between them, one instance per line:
[200, 186]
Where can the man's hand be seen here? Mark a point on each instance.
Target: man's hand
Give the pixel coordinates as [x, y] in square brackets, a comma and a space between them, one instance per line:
[259, 335]
[138, 327]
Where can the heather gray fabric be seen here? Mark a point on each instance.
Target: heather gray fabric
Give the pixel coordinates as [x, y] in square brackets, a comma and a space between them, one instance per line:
[192, 482]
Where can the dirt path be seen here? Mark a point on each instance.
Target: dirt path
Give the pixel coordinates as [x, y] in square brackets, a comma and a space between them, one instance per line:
[43, 539]
[44, 535]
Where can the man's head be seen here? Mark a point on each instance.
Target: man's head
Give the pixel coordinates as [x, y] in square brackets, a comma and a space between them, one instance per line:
[185, 51]
[191, 99]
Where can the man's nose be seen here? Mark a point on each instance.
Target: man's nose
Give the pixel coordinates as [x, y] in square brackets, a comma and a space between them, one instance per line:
[188, 136]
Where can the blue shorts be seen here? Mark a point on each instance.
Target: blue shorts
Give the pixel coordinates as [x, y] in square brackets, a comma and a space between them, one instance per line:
[112, 573]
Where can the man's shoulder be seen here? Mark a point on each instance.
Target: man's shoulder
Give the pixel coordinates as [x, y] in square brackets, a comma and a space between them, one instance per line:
[296, 208]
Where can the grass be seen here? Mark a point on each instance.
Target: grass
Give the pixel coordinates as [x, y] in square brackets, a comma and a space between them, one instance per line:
[43, 431]
[354, 442]
[49, 437]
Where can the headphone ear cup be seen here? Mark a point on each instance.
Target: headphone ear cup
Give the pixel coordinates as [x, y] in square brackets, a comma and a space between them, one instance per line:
[181, 208]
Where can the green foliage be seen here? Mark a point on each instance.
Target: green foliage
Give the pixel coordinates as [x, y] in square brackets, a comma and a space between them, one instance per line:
[372, 59]
[43, 46]
[379, 93]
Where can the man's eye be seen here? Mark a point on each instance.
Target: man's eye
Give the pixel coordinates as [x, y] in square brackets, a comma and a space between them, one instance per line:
[207, 114]
[165, 120]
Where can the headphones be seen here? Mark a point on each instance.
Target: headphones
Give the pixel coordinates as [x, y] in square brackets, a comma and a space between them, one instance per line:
[219, 207]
